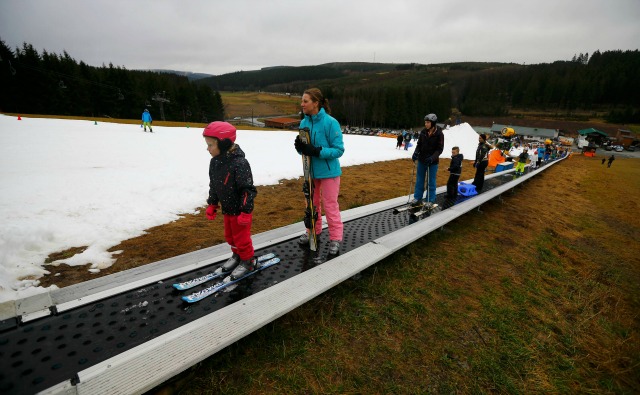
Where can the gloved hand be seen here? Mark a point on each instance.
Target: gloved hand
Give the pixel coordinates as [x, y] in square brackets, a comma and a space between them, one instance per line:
[427, 161]
[414, 157]
[475, 164]
[244, 219]
[211, 212]
[306, 149]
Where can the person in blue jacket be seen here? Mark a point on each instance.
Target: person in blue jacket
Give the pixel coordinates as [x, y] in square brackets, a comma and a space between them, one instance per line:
[325, 147]
[146, 120]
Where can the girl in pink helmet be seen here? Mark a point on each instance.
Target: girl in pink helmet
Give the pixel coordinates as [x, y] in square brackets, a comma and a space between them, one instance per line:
[231, 189]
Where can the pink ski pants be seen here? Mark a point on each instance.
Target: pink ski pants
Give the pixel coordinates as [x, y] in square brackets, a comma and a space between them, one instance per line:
[327, 190]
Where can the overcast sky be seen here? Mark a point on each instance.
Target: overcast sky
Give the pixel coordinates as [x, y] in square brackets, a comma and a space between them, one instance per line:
[218, 37]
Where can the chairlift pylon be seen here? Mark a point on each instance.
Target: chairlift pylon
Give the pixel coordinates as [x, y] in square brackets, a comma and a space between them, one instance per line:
[11, 69]
[120, 95]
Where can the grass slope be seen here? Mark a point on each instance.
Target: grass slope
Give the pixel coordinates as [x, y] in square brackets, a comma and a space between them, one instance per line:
[538, 293]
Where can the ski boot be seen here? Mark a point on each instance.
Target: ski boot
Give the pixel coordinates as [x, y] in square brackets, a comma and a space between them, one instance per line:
[231, 263]
[415, 202]
[304, 239]
[243, 268]
[334, 247]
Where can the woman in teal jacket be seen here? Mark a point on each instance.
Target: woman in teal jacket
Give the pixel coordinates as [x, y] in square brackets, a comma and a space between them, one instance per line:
[325, 148]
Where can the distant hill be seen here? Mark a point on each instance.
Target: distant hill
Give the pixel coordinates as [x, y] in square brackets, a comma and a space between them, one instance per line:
[606, 82]
[190, 76]
[347, 74]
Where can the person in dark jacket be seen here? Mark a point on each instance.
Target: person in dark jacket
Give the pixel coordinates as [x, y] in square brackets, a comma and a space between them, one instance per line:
[428, 149]
[231, 186]
[481, 162]
[407, 140]
[399, 141]
[455, 169]
[611, 159]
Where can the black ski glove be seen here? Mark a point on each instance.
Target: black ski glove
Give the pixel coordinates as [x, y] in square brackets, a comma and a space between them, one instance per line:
[306, 149]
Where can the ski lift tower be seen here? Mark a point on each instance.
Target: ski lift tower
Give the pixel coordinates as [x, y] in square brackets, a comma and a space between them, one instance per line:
[160, 98]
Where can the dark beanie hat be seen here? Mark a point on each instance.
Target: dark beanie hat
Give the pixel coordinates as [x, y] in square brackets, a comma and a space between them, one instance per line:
[483, 136]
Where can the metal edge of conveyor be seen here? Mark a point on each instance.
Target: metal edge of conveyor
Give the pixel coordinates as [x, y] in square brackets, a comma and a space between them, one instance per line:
[144, 367]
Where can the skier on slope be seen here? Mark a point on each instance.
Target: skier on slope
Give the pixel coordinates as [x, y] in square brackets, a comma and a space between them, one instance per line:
[325, 148]
[146, 120]
[231, 185]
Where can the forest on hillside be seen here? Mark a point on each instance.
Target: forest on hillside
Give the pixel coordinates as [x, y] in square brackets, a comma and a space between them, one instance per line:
[372, 94]
[49, 83]
[607, 81]
[379, 94]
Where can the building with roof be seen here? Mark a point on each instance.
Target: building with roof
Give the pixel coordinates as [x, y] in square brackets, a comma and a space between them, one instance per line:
[592, 132]
[592, 137]
[626, 137]
[282, 123]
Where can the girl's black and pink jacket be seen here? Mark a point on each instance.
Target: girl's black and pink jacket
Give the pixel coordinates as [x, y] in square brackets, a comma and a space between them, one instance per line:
[231, 182]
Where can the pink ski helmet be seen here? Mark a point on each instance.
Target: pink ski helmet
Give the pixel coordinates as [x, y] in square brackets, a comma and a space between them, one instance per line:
[221, 131]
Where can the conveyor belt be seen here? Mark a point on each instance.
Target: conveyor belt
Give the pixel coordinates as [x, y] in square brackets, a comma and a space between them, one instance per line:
[42, 353]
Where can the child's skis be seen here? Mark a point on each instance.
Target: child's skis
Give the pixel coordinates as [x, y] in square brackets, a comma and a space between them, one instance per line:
[310, 214]
[198, 296]
[215, 274]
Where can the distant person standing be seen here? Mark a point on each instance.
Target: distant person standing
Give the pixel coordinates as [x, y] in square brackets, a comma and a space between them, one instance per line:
[611, 159]
[541, 150]
[522, 161]
[455, 169]
[407, 140]
[481, 162]
[428, 150]
[399, 141]
[604, 160]
[146, 120]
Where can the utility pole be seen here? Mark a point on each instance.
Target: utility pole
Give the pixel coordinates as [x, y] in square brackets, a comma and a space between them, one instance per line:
[160, 98]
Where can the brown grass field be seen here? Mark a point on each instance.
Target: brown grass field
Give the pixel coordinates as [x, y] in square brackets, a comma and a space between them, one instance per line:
[537, 293]
[258, 104]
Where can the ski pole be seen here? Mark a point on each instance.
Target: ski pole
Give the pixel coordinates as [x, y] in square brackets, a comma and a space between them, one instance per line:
[426, 184]
[411, 182]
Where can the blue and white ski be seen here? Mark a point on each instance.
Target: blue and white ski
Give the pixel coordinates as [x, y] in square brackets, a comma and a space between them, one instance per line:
[217, 273]
[197, 296]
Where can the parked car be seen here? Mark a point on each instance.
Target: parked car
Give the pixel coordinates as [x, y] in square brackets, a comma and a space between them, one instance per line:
[618, 148]
[608, 147]
[631, 148]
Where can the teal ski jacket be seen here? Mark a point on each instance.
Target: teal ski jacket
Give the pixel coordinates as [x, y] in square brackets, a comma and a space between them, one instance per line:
[326, 133]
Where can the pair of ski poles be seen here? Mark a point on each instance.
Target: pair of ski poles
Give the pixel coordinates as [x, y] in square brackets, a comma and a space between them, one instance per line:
[413, 177]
